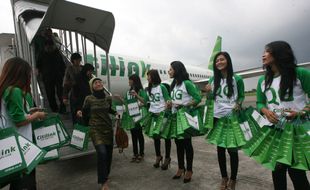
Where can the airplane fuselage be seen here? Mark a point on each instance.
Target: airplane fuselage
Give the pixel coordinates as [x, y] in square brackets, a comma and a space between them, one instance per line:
[121, 67]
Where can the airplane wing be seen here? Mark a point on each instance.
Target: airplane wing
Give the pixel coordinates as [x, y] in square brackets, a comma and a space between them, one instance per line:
[202, 81]
[249, 73]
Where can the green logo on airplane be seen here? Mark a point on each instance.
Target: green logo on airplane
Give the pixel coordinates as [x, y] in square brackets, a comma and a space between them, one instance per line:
[140, 68]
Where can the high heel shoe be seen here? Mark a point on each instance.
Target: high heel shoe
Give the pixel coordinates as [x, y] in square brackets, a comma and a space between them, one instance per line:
[179, 174]
[188, 177]
[166, 164]
[158, 160]
[231, 184]
[224, 183]
[134, 158]
[140, 158]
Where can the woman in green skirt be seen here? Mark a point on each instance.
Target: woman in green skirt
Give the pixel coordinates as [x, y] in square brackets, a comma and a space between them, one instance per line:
[135, 100]
[284, 92]
[158, 96]
[184, 94]
[228, 92]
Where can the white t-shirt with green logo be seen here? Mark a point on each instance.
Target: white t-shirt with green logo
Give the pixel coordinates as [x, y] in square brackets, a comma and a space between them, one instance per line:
[15, 108]
[158, 97]
[183, 94]
[223, 105]
[270, 98]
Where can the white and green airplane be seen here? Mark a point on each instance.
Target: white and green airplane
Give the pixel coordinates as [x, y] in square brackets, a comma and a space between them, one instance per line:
[121, 67]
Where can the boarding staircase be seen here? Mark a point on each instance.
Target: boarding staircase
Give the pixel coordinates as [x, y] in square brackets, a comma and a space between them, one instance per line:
[65, 152]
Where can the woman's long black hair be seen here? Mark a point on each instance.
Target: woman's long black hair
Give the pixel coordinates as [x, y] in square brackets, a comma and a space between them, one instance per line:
[155, 79]
[137, 85]
[285, 62]
[218, 75]
[180, 73]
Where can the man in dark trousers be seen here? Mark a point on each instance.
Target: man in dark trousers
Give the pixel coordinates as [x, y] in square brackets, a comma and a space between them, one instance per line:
[51, 67]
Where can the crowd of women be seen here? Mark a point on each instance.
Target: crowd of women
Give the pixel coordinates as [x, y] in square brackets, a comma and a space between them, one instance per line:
[175, 112]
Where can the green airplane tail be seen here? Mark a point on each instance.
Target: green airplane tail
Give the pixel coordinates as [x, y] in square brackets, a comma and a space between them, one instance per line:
[217, 48]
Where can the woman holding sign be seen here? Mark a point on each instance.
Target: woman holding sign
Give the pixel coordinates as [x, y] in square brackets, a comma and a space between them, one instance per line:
[158, 96]
[228, 92]
[184, 94]
[282, 97]
[98, 104]
[135, 100]
[16, 104]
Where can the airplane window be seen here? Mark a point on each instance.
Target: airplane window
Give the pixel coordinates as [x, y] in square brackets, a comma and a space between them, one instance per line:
[164, 71]
[160, 71]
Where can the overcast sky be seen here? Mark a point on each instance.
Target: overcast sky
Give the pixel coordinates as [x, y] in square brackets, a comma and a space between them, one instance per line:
[186, 30]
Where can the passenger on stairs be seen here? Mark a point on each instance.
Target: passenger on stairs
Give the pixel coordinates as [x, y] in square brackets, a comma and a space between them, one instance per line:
[51, 67]
[69, 81]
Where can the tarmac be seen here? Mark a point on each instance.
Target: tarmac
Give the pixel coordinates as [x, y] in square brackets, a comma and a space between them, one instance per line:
[81, 173]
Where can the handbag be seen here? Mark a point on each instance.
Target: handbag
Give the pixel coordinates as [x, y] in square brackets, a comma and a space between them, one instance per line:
[50, 155]
[286, 145]
[154, 125]
[46, 133]
[80, 137]
[191, 121]
[208, 113]
[63, 134]
[12, 162]
[121, 137]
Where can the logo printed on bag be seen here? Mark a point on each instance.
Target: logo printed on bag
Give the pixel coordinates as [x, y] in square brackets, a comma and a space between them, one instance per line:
[7, 152]
[77, 138]
[46, 136]
[26, 147]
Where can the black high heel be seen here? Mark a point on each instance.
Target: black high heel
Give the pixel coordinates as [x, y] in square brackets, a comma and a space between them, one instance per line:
[166, 164]
[176, 176]
[159, 159]
[186, 178]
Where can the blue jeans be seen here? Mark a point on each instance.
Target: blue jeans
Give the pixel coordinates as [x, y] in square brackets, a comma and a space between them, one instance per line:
[104, 160]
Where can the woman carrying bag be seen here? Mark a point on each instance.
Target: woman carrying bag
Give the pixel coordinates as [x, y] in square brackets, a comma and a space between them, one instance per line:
[98, 104]
[135, 100]
[282, 97]
[158, 97]
[184, 94]
[16, 104]
[228, 92]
